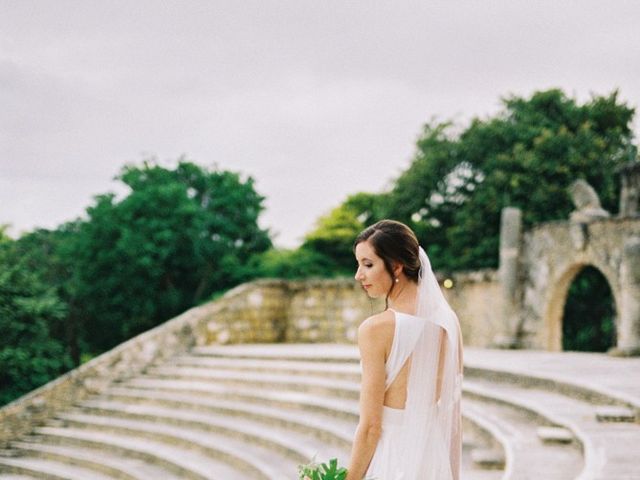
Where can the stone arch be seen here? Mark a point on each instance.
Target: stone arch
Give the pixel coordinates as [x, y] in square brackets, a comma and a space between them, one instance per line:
[557, 299]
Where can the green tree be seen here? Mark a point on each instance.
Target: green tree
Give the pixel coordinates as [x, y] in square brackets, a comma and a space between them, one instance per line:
[29, 356]
[333, 237]
[48, 255]
[178, 236]
[525, 156]
[367, 208]
[327, 249]
[290, 263]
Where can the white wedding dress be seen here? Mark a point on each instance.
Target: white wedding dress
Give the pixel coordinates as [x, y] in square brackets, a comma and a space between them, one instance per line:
[423, 440]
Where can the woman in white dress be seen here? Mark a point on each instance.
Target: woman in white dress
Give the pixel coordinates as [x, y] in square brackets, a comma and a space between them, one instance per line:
[411, 357]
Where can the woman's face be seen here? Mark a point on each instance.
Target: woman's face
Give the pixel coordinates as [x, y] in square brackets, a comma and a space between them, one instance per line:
[371, 273]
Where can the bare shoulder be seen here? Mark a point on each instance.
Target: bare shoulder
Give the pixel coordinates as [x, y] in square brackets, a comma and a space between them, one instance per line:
[377, 322]
[377, 330]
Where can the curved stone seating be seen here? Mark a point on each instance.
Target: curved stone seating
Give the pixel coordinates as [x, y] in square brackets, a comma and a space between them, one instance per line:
[606, 450]
[190, 453]
[500, 439]
[49, 469]
[217, 413]
[526, 452]
[256, 411]
[113, 465]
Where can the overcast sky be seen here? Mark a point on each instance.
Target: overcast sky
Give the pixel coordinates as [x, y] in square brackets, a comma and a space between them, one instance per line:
[314, 99]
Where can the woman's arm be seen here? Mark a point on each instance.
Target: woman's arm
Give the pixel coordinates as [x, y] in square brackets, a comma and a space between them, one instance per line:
[372, 353]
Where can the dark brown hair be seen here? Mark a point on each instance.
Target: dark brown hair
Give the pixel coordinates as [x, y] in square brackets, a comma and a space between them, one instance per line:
[393, 242]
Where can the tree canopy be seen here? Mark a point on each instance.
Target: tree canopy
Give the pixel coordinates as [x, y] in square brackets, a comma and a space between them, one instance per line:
[178, 236]
[29, 355]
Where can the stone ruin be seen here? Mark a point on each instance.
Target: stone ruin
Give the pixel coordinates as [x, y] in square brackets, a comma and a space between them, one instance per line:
[537, 267]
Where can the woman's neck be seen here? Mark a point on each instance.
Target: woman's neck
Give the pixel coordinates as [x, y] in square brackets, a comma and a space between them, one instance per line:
[403, 297]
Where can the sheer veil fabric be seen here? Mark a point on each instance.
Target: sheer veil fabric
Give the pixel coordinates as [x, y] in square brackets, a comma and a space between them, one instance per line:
[429, 438]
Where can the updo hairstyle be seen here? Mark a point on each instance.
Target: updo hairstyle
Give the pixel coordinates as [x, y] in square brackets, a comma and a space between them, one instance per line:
[393, 242]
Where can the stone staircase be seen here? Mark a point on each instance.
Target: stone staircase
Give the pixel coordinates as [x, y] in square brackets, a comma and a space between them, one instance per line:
[256, 411]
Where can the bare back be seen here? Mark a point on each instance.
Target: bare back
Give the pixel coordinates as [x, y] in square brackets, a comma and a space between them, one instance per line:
[396, 394]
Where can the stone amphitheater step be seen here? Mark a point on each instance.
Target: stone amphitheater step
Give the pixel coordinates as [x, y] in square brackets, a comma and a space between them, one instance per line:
[595, 377]
[246, 385]
[555, 435]
[312, 387]
[216, 414]
[335, 407]
[347, 371]
[316, 352]
[292, 435]
[270, 381]
[481, 435]
[315, 385]
[471, 472]
[488, 458]
[608, 413]
[335, 411]
[193, 382]
[608, 449]
[11, 476]
[114, 466]
[176, 460]
[49, 469]
[527, 457]
[187, 453]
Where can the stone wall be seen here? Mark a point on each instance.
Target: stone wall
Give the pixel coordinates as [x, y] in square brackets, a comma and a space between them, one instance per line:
[265, 311]
[328, 310]
[475, 297]
[255, 312]
[331, 310]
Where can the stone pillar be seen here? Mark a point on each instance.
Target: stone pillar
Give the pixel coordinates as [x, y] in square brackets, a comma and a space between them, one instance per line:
[510, 238]
[628, 324]
[630, 191]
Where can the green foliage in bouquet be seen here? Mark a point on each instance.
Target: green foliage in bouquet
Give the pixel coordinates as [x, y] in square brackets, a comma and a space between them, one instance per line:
[314, 471]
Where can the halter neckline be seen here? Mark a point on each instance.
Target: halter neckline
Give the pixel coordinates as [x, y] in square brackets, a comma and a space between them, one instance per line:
[403, 313]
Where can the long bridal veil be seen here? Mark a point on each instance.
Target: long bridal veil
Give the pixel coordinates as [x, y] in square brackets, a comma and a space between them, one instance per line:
[431, 433]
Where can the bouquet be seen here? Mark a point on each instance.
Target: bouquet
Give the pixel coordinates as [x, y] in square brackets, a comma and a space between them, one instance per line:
[315, 471]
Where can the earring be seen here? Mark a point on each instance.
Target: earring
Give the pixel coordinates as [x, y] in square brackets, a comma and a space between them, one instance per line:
[397, 279]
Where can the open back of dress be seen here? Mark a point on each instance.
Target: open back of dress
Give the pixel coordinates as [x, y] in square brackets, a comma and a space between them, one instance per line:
[407, 331]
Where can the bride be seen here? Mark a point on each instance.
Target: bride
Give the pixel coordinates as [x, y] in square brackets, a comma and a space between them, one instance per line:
[411, 357]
